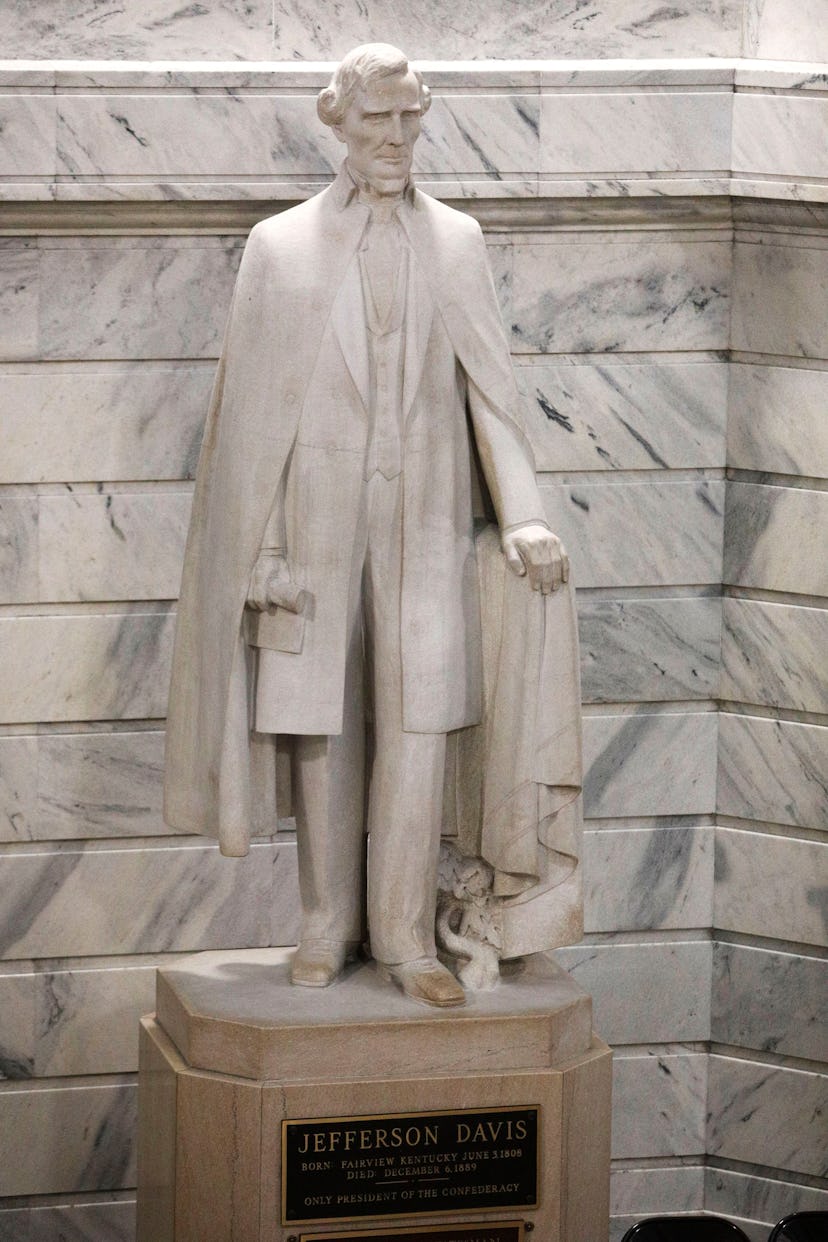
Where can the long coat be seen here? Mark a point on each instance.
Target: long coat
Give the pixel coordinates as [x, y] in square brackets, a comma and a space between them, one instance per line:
[293, 364]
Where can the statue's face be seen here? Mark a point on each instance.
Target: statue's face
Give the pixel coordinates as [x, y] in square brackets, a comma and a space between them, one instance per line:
[380, 129]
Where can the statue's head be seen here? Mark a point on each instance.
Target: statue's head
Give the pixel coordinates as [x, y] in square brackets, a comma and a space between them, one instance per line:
[374, 104]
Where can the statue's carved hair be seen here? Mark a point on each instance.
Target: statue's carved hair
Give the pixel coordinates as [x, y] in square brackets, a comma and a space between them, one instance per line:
[360, 68]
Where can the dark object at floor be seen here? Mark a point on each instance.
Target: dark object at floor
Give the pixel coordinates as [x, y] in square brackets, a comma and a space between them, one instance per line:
[801, 1227]
[687, 1229]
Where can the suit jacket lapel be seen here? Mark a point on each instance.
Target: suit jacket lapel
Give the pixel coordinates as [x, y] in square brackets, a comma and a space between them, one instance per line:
[348, 320]
[419, 313]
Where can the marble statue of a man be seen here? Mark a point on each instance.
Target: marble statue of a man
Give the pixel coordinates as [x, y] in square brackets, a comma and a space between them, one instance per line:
[330, 574]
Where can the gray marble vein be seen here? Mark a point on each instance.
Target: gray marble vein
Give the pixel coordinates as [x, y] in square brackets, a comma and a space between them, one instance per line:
[780, 135]
[773, 1002]
[116, 545]
[587, 133]
[775, 538]
[19, 290]
[511, 29]
[18, 787]
[85, 668]
[640, 534]
[492, 136]
[146, 900]
[778, 420]
[155, 30]
[105, 1220]
[627, 295]
[658, 1105]
[656, 1191]
[635, 416]
[768, 1115]
[786, 30]
[670, 984]
[18, 1000]
[86, 1021]
[775, 655]
[650, 764]
[771, 886]
[98, 785]
[135, 423]
[27, 129]
[18, 549]
[166, 299]
[774, 771]
[779, 300]
[62, 1139]
[189, 135]
[641, 879]
[766, 1199]
[648, 650]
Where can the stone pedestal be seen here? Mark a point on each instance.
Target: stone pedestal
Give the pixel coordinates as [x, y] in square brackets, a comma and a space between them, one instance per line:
[405, 1105]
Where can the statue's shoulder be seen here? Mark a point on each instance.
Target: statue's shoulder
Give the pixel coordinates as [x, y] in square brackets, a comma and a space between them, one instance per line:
[286, 228]
[448, 220]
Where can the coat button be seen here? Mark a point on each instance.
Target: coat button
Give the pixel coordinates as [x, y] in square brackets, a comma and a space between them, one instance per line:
[290, 398]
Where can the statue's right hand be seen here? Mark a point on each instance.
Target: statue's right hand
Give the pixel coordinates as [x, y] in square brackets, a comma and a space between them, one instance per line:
[270, 569]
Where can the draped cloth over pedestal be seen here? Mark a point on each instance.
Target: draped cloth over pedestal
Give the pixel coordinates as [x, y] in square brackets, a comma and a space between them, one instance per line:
[513, 782]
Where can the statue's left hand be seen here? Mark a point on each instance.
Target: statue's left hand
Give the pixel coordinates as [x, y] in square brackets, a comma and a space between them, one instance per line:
[534, 550]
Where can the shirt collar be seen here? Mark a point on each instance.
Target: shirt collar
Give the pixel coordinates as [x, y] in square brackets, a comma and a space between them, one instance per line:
[346, 187]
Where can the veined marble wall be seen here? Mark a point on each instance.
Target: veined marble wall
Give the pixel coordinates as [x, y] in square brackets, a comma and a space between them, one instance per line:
[643, 223]
[288, 30]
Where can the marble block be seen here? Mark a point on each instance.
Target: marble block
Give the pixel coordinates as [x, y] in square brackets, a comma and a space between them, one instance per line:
[775, 771]
[647, 763]
[779, 135]
[134, 422]
[625, 416]
[771, 1001]
[786, 30]
[774, 538]
[661, 878]
[779, 296]
[18, 300]
[27, 123]
[774, 655]
[235, 1050]
[769, 1115]
[659, 1101]
[770, 886]
[777, 420]
[103, 1220]
[639, 534]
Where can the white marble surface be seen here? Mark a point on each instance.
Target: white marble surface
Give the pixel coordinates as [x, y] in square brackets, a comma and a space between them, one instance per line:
[648, 650]
[774, 538]
[18, 299]
[117, 545]
[135, 297]
[157, 29]
[774, 771]
[637, 1192]
[670, 984]
[58, 786]
[781, 136]
[77, 902]
[774, 655]
[780, 296]
[625, 416]
[766, 1199]
[18, 548]
[640, 534]
[771, 1001]
[650, 764]
[572, 295]
[75, 1021]
[767, 1115]
[771, 886]
[778, 419]
[59, 1138]
[99, 1220]
[661, 878]
[130, 422]
[786, 30]
[27, 123]
[644, 133]
[658, 1104]
[85, 668]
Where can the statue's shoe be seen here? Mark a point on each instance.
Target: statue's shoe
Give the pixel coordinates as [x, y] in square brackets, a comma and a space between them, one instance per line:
[425, 980]
[316, 963]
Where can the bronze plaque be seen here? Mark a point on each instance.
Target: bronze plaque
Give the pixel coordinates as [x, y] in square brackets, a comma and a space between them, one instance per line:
[486, 1231]
[409, 1164]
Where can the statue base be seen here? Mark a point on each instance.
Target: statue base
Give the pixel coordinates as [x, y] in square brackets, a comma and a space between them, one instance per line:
[274, 1113]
